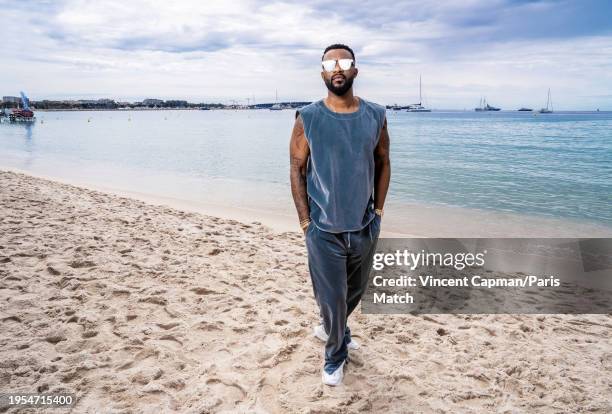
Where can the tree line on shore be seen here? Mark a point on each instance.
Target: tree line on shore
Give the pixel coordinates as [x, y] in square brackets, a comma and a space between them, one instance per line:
[110, 104]
[147, 103]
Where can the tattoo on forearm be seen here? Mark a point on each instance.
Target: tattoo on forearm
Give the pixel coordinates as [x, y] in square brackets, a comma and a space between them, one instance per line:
[382, 168]
[298, 187]
[298, 155]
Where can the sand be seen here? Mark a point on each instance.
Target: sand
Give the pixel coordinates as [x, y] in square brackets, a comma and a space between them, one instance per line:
[137, 307]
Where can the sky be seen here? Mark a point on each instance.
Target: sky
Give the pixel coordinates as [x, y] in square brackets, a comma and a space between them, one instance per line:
[510, 52]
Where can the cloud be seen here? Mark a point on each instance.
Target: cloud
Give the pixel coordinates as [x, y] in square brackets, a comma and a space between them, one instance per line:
[214, 50]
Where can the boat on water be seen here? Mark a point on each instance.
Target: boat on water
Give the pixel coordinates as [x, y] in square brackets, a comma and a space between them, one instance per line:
[23, 114]
[418, 107]
[549, 107]
[484, 106]
[276, 106]
[525, 110]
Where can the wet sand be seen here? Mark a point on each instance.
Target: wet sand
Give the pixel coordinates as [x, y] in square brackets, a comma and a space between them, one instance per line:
[271, 204]
[138, 307]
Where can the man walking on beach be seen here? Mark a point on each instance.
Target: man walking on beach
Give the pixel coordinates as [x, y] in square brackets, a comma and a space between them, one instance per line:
[340, 173]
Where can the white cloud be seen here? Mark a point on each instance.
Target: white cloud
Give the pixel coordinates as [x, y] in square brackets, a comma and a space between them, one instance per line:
[217, 50]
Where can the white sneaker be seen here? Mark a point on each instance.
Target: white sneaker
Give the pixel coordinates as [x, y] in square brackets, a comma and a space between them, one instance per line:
[319, 332]
[335, 378]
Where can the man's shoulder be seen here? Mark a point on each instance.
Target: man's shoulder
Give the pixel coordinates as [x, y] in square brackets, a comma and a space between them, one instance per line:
[377, 111]
[308, 108]
[375, 106]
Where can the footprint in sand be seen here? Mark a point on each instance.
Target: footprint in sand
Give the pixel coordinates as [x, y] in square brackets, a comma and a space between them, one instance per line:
[55, 339]
[171, 338]
[167, 326]
[203, 291]
[209, 326]
[89, 334]
[232, 392]
[156, 300]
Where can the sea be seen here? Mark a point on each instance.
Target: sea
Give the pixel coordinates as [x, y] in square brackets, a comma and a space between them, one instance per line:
[542, 166]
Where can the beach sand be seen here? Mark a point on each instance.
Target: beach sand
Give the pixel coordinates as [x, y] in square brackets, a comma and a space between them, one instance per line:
[137, 307]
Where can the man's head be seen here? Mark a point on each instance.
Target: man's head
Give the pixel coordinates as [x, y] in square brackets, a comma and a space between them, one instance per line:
[338, 81]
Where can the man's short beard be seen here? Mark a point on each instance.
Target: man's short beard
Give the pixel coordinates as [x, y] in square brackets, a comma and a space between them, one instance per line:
[339, 90]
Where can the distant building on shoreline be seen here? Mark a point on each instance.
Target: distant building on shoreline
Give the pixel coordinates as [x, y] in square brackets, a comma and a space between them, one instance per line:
[152, 102]
[149, 103]
[11, 99]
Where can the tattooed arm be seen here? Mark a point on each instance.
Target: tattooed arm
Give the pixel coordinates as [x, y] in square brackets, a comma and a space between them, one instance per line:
[299, 153]
[382, 173]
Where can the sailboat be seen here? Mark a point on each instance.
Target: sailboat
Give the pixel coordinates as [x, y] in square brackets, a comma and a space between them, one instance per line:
[484, 106]
[549, 106]
[276, 106]
[23, 114]
[418, 107]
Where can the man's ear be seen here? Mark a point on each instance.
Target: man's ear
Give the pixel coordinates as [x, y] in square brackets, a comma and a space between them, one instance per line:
[356, 72]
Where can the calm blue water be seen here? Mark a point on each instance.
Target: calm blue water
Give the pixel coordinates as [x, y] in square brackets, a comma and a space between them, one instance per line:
[557, 165]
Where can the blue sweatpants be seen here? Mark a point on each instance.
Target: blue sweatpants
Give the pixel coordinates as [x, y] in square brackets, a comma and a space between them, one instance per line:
[339, 265]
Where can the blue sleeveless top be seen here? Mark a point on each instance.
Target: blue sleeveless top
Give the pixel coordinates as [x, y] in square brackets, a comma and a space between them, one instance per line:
[340, 170]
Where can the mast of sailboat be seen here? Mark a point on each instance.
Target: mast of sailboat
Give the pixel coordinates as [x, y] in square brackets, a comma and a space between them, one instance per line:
[420, 98]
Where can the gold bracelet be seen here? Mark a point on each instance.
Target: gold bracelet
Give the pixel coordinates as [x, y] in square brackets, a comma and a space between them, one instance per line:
[304, 223]
[379, 211]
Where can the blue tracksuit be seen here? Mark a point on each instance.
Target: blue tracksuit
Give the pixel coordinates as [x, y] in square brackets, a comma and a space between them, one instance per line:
[342, 236]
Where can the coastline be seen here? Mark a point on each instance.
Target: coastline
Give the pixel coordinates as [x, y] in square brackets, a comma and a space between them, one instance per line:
[401, 219]
[434, 110]
[138, 307]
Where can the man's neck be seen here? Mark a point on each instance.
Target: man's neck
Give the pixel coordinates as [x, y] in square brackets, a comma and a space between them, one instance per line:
[344, 103]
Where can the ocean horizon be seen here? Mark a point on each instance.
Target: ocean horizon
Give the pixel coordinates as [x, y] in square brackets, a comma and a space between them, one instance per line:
[552, 166]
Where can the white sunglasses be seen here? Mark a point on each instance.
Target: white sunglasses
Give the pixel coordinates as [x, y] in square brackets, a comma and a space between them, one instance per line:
[330, 64]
